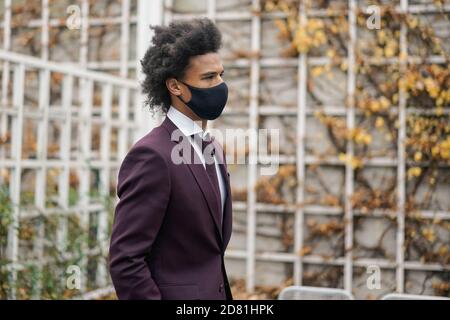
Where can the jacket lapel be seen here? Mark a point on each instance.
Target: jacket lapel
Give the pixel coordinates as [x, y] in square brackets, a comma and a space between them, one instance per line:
[227, 211]
[194, 163]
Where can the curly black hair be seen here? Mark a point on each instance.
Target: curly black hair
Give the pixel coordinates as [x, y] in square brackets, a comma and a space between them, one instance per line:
[169, 55]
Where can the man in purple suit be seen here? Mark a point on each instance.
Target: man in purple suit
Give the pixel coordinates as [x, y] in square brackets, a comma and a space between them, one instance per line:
[173, 221]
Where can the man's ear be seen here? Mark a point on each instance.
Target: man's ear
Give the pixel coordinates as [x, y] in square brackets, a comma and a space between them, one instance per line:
[173, 86]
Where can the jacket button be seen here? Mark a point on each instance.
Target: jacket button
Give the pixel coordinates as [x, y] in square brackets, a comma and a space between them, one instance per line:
[221, 287]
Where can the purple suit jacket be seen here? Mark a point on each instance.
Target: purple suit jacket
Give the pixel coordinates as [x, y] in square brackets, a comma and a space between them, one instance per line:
[168, 241]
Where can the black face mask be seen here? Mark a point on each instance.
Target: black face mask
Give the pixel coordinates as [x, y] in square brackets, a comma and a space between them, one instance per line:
[207, 103]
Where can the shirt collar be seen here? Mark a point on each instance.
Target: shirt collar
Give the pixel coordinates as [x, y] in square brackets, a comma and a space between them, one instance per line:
[187, 126]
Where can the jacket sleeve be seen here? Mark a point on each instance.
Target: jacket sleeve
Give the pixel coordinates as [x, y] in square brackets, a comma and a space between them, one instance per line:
[143, 189]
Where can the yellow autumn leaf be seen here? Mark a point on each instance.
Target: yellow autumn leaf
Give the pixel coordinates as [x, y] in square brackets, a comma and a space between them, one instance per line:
[355, 162]
[384, 102]
[418, 156]
[379, 122]
[429, 234]
[269, 6]
[316, 71]
[331, 53]
[432, 87]
[367, 139]
[381, 36]
[374, 106]
[414, 172]
[389, 52]
[412, 21]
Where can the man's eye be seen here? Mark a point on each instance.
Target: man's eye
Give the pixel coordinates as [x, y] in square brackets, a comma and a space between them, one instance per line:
[212, 76]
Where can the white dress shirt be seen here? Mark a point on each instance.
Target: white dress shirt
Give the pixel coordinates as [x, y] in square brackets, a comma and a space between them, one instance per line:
[189, 127]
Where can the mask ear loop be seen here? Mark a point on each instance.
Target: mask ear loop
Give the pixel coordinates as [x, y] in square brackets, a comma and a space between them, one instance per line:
[179, 97]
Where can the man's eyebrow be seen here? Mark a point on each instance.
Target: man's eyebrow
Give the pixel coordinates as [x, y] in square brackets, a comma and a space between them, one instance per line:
[211, 73]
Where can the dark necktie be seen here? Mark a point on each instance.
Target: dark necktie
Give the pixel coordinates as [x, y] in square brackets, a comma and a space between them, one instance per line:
[211, 168]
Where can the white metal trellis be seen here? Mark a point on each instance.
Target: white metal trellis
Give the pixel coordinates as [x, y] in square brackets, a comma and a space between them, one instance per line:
[68, 115]
[301, 159]
[148, 12]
